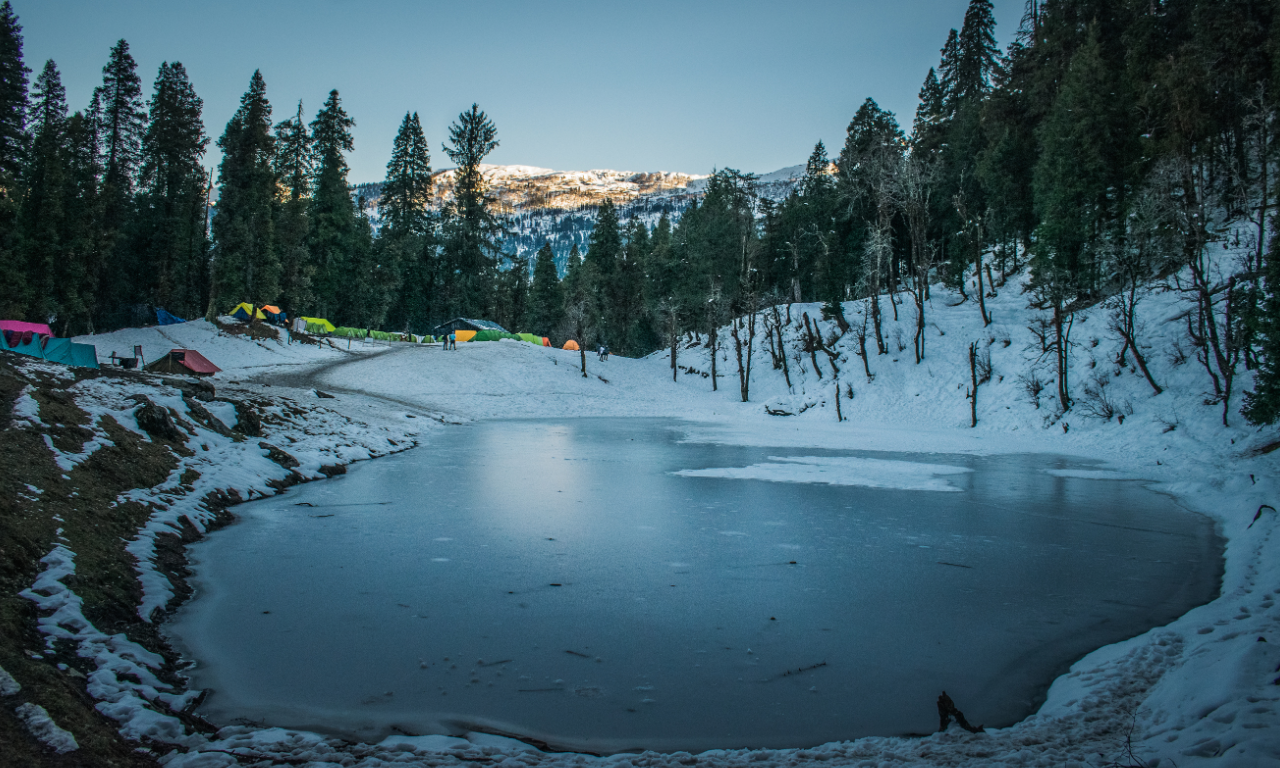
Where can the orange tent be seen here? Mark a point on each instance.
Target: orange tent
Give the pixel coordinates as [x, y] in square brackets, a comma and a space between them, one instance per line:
[571, 344]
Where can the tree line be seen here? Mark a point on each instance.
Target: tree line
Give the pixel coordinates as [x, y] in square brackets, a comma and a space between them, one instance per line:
[107, 213]
[1114, 147]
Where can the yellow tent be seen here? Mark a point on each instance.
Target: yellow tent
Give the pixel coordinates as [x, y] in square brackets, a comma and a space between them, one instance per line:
[464, 335]
[571, 344]
[242, 310]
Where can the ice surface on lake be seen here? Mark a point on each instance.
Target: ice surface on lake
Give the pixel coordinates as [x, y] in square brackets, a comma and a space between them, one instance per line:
[841, 470]
[594, 597]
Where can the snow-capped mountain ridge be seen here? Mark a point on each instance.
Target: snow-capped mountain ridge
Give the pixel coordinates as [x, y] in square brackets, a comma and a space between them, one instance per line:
[559, 208]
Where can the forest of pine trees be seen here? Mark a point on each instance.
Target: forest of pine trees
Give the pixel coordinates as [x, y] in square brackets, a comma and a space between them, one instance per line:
[1114, 143]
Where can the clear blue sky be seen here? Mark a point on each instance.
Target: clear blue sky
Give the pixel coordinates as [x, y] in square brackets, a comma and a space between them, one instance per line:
[643, 86]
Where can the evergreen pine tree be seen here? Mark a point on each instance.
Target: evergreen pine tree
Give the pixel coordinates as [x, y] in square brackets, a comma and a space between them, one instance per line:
[123, 124]
[472, 234]
[926, 131]
[246, 265]
[333, 214]
[43, 221]
[406, 238]
[170, 226]
[1262, 405]
[13, 96]
[604, 252]
[978, 55]
[1078, 182]
[407, 189]
[294, 168]
[546, 299]
[13, 144]
[949, 71]
[638, 336]
[80, 269]
[123, 120]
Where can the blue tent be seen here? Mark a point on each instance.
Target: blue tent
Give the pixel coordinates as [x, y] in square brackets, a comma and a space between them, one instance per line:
[63, 351]
[164, 318]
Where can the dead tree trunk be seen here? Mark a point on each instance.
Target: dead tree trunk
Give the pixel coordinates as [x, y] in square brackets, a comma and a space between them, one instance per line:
[973, 391]
[811, 345]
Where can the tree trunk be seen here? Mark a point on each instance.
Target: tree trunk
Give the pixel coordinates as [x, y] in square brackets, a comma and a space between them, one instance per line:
[712, 344]
[875, 319]
[1063, 358]
[813, 348]
[782, 348]
[982, 300]
[973, 377]
[675, 339]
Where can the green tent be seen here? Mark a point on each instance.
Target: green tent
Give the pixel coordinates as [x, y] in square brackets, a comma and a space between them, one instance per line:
[529, 337]
[318, 325]
[350, 333]
[493, 336]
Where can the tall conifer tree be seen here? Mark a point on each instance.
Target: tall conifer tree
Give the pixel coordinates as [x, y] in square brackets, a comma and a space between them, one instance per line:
[294, 168]
[246, 265]
[472, 233]
[123, 125]
[333, 213]
[43, 219]
[546, 299]
[13, 143]
[407, 188]
[13, 95]
[406, 241]
[171, 239]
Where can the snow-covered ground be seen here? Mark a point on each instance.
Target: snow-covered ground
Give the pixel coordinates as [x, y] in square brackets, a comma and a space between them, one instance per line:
[1197, 692]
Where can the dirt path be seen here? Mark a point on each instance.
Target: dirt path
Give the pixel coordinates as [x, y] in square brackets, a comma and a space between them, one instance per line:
[312, 378]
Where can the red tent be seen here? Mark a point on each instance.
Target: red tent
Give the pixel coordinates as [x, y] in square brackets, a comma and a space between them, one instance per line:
[18, 325]
[184, 361]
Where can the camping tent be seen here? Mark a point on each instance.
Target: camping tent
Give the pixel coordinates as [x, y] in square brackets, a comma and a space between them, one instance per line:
[18, 325]
[571, 344]
[164, 318]
[242, 310]
[274, 315]
[318, 325]
[529, 337]
[465, 324]
[183, 361]
[54, 350]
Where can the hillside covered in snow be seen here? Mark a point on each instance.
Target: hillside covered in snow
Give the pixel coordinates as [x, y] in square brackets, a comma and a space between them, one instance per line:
[1198, 692]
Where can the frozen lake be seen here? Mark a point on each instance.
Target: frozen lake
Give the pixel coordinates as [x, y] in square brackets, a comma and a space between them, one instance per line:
[600, 585]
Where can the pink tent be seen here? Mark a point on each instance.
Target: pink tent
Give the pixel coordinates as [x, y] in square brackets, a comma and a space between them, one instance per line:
[18, 325]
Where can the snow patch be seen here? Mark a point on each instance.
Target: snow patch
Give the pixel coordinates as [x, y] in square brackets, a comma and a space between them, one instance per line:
[26, 411]
[43, 728]
[1093, 474]
[867, 473]
[8, 686]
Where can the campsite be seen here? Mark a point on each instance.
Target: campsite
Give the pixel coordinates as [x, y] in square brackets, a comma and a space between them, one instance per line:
[873, 385]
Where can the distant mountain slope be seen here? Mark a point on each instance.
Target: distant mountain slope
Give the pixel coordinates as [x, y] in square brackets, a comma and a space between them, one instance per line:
[559, 207]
